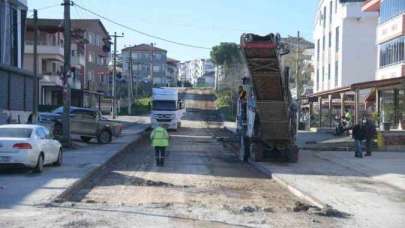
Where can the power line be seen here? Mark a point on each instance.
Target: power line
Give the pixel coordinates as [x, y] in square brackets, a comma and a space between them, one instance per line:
[43, 8]
[140, 32]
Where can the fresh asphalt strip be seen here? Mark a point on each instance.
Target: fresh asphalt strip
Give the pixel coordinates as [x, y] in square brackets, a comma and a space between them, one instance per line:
[64, 196]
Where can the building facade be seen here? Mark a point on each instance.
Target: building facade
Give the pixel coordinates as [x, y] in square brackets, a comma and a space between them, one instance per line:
[191, 71]
[16, 85]
[90, 55]
[391, 59]
[172, 72]
[97, 54]
[345, 48]
[149, 63]
[50, 61]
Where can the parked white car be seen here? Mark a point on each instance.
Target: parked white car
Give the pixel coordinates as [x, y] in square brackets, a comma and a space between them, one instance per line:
[29, 146]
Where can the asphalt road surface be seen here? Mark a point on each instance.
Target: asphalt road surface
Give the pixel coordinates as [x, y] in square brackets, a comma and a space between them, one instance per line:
[202, 184]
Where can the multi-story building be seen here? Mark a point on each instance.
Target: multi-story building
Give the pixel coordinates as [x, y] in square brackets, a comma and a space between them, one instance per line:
[192, 70]
[184, 72]
[391, 59]
[345, 49]
[148, 63]
[172, 71]
[16, 85]
[97, 55]
[50, 60]
[89, 58]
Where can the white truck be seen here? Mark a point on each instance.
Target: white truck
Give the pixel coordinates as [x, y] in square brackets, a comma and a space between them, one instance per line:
[167, 108]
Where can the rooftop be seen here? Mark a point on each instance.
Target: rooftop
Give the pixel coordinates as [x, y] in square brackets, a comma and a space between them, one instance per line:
[144, 47]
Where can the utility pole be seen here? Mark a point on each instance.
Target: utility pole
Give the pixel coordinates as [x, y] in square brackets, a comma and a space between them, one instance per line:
[297, 81]
[35, 68]
[114, 105]
[66, 73]
[130, 83]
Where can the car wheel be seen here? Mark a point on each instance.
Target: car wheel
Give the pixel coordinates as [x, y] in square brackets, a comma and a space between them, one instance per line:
[40, 164]
[104, 137]
[60, 158]
[85, 139]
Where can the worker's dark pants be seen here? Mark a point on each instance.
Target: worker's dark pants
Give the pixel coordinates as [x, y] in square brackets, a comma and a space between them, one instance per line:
[358, 152]
[369, 145]
[160, 155]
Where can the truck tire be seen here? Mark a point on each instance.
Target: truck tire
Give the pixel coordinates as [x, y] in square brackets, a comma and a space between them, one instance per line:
[292, 153]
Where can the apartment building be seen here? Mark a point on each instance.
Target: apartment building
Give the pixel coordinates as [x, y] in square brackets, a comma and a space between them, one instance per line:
[16, 85]
[391, 59]
[97, 55]
[89, 60]
[148, 63]
[345, 48]
[50, 62]
[192, 70]
[172, 71]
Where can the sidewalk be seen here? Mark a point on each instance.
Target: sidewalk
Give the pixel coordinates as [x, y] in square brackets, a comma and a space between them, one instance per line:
[27, 189]
[372, 190]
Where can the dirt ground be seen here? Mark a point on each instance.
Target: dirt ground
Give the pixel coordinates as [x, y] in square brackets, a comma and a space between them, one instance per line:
[202, 184]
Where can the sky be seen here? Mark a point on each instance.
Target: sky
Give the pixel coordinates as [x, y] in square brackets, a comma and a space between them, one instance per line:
[203, 23]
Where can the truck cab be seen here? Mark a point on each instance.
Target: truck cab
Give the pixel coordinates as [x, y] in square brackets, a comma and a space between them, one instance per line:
[167, 108]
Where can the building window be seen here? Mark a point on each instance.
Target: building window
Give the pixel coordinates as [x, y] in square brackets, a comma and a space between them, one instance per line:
[317, 79]
[330, 40]
[323, 76]
[330, 11]
[324, 17]
[329, 71]
[336, 5]
[318, 49]
[323, 43]
[156, 68]
[336, 73]
[337, 38]
[391, 9]
[392, 52]
[9, 33]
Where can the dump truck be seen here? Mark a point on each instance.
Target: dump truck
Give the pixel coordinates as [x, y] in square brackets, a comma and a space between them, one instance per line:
[266, 116]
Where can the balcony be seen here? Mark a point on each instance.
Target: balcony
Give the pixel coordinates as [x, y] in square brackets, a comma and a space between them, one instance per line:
[75, 83]
[393, 71]
[56, 80]
[78, 60]
[51, 80]
[45, 50]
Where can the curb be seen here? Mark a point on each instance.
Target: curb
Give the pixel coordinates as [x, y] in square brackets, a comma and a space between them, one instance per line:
[261, 168]
[295, 191]
[62, 197]
[298, 193]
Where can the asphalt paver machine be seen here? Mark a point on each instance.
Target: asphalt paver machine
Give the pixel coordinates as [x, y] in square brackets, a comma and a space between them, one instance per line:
[266, 118]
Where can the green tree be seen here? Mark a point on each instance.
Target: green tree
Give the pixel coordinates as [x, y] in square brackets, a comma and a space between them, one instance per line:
[226, 54]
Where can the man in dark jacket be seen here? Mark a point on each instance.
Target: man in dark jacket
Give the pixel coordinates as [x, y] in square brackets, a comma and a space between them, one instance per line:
[358, 136]
[370, 133]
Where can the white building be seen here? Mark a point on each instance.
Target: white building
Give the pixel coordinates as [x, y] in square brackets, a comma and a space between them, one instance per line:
[345, 50]
[192, 70]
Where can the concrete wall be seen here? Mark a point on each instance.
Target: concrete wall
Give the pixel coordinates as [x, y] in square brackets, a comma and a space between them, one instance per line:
[359, 51]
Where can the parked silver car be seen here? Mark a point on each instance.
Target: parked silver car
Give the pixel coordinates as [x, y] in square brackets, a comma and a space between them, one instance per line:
[88, 123]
